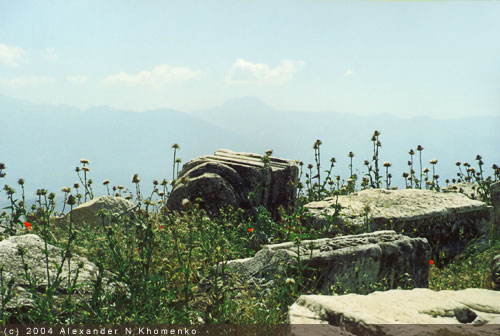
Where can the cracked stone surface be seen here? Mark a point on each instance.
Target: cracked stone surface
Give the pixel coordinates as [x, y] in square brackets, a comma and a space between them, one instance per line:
[369, 314]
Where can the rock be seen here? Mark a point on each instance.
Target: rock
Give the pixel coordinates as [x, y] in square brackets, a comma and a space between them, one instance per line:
[87, 212]
[418, 311]
[495, 200]
[34, 256]
[449, 221]
[469, 189]
[495, 272]
[350, 263]
[239, 180]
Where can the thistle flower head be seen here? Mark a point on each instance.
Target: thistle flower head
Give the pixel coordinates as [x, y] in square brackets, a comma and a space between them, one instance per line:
[426, 170]
[351, 155]
[411, 152]
[433, 161]
[76, 185]
[387, 164]
[84, 161]
[86, 169]
[420, 148]
[135, 178]
[66, 189]
[105, 182]
[20, 181]
[269, 152]
[478, 157]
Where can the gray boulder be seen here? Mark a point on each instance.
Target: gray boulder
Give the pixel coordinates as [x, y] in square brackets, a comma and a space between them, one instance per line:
[87, 212]
[32, 248]
[469, 189]
[354, 263]
[418, 311]
[449, 221]
[239, 180]
[495, 272]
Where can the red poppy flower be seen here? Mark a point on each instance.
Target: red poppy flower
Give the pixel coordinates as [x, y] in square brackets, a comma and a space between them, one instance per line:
[431, 262]
[250, 230]
[136, 250]
[28, 225]
[288, 227]
[161, 226]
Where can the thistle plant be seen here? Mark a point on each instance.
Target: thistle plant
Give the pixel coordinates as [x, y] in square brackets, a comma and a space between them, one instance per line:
[175, 147]
[421, 176]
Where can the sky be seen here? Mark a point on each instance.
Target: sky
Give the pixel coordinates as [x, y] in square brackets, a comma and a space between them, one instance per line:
[406, 58]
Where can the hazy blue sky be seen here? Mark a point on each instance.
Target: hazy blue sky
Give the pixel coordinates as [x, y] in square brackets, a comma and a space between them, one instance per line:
[410, 58]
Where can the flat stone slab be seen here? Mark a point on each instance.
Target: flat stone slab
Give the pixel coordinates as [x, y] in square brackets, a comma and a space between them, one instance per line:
[236, 179]
[448, 220]
[402, 312]
[353, 263]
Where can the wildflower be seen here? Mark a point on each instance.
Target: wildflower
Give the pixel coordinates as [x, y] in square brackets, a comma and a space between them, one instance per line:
[411, 152]
[161, 226]
[71, 200]
[128, 197]
[351, 155]
[420, 148]
[175, 146]
[20, 181]
[288, 227]
[161, 193]
[405, 174]
[155, 182]
[250, 230]
[367, 162]
[186, 203]
[478, 157]
[333, 160]
[86, 169]
[433, 161]
[269, 152]
[426, 170]
[28, 225]
[2, 165]
[120, 187]
[387, 164]
[105, 182]
[135, 178]
[66, 189]
[84, 161]
[376, 133]
[76, 185]
[458, 163]
[310, 166]
[289, 281]
[431, 262]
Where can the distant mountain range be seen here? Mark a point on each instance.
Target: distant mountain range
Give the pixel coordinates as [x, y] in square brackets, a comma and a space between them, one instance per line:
[44, 143]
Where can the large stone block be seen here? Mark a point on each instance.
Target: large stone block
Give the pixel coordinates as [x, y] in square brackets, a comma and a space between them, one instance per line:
[402, 312]
[354, 263]
[239, 180]
[87, 212]
[34, 257]
[448, 220]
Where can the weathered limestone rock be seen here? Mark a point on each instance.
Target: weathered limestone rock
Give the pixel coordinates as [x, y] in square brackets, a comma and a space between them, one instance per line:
[353, 263]
[495, 272]
[448, 220]
[240, 180]
[87, 212]
[33, 254]
[469, 189]
[495, 200]
[403, 312]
